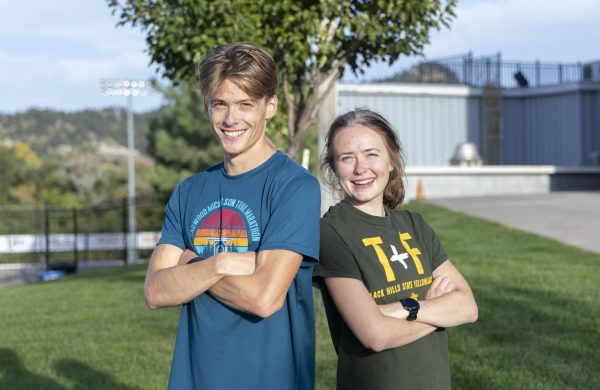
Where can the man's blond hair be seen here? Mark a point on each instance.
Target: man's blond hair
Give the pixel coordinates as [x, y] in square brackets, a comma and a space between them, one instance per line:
[248, 66]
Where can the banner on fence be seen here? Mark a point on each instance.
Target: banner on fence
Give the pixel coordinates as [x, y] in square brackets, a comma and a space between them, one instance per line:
[32, 243]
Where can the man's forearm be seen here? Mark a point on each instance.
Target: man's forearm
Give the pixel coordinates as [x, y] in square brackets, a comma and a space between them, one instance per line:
[251, 294]
[180, 284]
[236, 292]
[172, 282]
[263, 292]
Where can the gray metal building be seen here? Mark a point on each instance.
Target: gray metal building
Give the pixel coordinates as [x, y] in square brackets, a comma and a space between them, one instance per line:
[553, 126]
[547, 125]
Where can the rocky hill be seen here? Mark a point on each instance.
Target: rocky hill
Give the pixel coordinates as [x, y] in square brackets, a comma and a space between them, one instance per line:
[47, 131]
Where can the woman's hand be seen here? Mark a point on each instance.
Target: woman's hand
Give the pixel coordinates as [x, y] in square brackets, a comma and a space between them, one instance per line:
[440, 286]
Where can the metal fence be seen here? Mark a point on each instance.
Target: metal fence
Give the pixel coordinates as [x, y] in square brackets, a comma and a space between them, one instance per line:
[493, 71]
[62, 237]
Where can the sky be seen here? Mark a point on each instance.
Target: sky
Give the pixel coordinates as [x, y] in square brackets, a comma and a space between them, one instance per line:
[53, 53]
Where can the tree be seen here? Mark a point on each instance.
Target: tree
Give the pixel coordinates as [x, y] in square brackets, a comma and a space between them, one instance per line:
[20, 166]
[311, 41]
[82, 169]
[180, 139]
[97, 172]
[9, 172]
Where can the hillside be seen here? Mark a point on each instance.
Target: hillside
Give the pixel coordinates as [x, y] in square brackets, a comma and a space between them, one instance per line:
[69, 159]
[47, 130]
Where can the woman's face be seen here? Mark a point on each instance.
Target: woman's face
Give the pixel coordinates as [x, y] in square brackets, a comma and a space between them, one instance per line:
[362, 165]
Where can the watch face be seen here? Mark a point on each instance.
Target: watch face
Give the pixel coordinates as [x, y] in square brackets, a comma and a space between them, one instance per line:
[410, 304]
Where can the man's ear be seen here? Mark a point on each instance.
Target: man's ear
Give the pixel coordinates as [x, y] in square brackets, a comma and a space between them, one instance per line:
[272, 106]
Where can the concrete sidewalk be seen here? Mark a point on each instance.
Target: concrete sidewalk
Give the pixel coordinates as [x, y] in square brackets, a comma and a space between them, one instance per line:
[570, 217]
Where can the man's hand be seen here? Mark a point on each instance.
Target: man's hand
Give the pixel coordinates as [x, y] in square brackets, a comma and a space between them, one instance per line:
[227, 263]
[235, 263]
[171, 280]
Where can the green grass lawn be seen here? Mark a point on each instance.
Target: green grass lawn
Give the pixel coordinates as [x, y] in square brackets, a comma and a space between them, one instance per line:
[538, 322]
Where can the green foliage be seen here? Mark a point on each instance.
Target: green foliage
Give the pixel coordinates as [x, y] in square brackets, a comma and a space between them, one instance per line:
[311, 41]
[9, 172]
[58, 194]
[310, 141]
[21, 175]
[181, 139]
[67, 177]
[68, 159]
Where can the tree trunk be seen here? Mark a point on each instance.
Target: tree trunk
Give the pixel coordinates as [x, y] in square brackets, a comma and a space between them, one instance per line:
[307, 117]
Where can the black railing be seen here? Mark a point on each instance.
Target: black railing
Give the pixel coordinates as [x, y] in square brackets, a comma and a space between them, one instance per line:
[492, 71]
[61, 237]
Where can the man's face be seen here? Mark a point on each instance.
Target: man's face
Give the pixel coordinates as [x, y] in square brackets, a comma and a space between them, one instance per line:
[239, 121]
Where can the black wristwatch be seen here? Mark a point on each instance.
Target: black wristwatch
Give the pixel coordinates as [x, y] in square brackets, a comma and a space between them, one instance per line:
[412, 305]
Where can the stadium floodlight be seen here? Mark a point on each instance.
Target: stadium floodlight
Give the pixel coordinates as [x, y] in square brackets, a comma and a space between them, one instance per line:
[128, 88]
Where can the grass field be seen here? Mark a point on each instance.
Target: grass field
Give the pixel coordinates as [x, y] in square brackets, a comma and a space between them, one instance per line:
[538, 327]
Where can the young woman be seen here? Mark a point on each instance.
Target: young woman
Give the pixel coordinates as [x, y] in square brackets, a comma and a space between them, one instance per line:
[389, 289]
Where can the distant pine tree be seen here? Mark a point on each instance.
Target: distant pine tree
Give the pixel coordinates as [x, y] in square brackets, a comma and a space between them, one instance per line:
[181, 139]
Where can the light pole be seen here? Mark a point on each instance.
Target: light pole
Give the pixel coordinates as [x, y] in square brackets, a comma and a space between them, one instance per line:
[128, 88]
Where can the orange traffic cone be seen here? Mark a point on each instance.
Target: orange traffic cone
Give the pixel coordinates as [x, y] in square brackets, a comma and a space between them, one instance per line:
[420, 190]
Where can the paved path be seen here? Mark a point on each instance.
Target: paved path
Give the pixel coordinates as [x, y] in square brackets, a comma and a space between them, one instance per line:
[571, 217]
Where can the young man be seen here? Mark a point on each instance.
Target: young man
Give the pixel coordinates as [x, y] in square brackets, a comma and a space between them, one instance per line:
[253, 225]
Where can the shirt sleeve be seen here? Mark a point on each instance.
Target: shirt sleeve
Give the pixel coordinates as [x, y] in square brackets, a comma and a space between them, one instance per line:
[294, 221]
[172, 230]
[337, 260]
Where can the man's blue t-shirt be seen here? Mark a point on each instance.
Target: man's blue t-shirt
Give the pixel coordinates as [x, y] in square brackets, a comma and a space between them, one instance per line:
[274, 206]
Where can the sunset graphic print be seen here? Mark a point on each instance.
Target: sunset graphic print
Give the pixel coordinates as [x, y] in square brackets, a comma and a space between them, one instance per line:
[224, 230]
